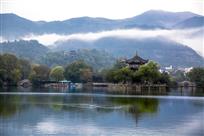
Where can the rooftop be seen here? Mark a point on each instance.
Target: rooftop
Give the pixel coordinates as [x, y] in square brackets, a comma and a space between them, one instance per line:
[137, 60]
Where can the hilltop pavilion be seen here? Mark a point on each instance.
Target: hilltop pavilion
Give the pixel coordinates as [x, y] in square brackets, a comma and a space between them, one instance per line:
[135, 62]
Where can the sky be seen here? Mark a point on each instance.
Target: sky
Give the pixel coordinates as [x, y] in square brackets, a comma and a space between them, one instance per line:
[50, 10]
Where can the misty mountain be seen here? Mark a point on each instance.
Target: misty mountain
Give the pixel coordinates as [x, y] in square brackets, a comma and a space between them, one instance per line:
[102, 53]
[159, 49]
[13, 26]
[158, 19]
[193, 22]
[31, 50]
[38, 53]
[78, 25]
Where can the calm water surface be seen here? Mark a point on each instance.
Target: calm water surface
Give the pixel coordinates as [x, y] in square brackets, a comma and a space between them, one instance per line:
[99, 114]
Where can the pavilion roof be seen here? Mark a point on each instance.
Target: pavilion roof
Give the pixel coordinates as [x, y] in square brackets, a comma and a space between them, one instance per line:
[136, 59]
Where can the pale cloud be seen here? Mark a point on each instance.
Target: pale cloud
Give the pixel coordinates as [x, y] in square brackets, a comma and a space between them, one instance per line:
[181, 36]
[2, 39]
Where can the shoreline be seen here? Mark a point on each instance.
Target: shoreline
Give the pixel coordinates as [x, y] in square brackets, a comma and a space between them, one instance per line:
[105, 95]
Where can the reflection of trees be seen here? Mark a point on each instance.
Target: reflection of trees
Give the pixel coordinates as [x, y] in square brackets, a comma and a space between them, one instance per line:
[142, 104]
[137, 106]
[9, 105]
[82, 103]
[58, 103]
[42, 101]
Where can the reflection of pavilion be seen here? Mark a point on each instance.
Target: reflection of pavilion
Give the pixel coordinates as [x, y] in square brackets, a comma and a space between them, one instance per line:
[142, 107]
[137, 107]
[135, 62]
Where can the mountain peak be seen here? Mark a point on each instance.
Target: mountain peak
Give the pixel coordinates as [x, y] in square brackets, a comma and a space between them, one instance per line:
[152, 11]
[10, 15]
[163, 12]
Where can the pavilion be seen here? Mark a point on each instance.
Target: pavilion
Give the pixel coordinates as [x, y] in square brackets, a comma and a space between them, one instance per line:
[135, 62]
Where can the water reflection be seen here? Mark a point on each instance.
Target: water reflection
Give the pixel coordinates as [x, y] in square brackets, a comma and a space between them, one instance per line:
[10, 104]
[137, 107]
[75, 114]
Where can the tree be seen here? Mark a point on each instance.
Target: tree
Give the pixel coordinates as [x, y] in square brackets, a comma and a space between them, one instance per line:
[25, 68]
[10, 71]
[136, 77]
[99, 76]
[179, 75]
[123, 75]
[109, 76]
[165, 78]
[86, 75]
[39, 73]
[197, 75]
[16, 75]
[73, 71]
[149, 72]
[95, 58]
[57, 73]
[119, 64]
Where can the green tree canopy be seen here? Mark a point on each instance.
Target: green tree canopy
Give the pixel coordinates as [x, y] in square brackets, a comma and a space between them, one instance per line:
[25, 67]
[197, 75]
[123, 75]
[10, 71]
[39, 73]
[57, 73]
[74, 71]
[148, 73]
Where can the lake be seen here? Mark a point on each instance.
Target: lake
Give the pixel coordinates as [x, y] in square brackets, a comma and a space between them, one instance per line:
[42, 112]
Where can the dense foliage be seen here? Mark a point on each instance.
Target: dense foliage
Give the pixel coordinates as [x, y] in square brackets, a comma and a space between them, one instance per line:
[31, 50]
[57, 73]
[102, 53]
[39, 73]
[148, 73]
[197, 75]
[38, 53]
[13, 69]
[78, 71]
[96, 59]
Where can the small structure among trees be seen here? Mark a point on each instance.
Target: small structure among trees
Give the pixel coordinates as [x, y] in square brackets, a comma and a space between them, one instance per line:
[135, 62]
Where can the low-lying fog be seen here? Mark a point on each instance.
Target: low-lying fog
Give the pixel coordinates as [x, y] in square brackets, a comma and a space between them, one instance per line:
[190, 37]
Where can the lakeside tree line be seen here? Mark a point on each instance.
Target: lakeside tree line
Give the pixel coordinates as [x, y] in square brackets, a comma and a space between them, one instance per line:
[13, 70]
